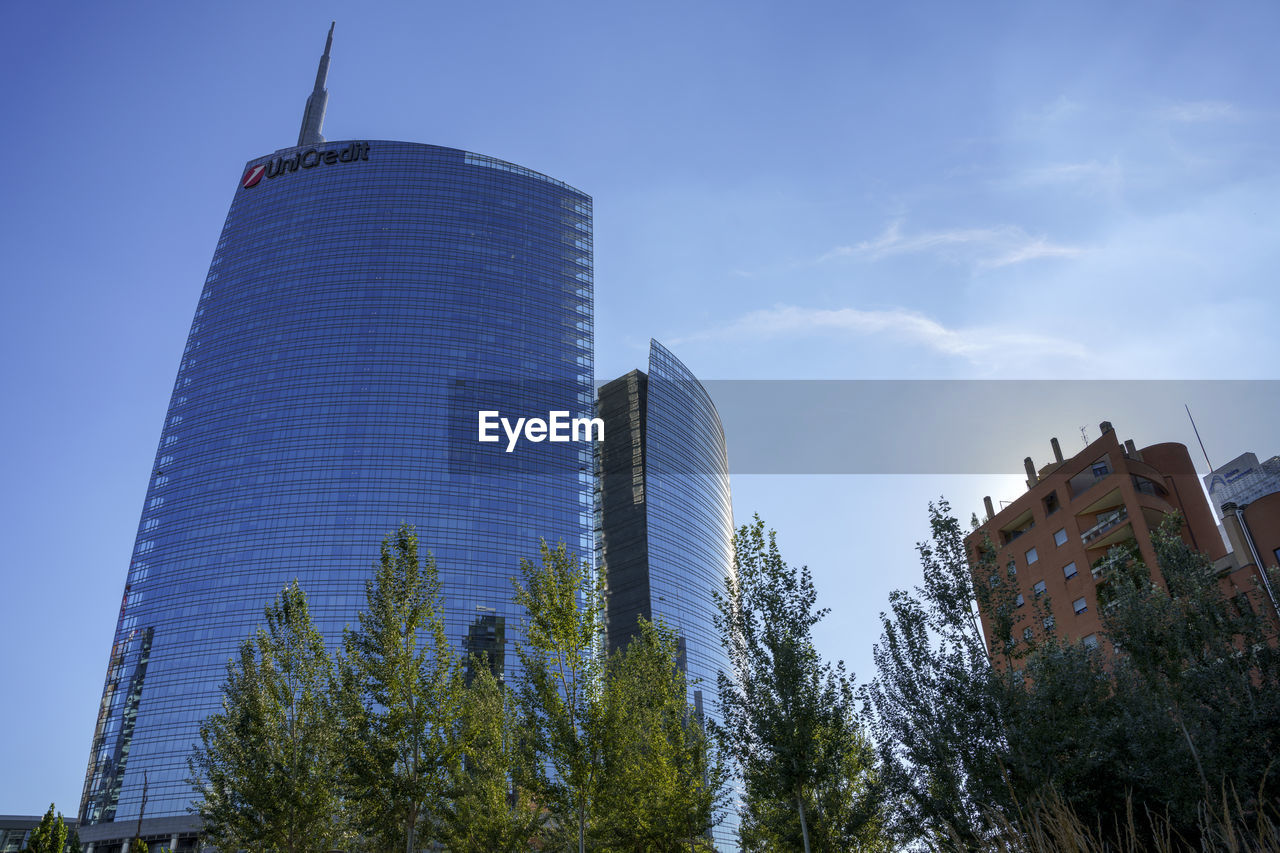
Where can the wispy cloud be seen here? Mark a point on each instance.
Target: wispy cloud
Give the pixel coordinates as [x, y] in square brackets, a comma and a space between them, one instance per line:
[1200, 111]
[977, 343]
[1091, 175]
[984, 248]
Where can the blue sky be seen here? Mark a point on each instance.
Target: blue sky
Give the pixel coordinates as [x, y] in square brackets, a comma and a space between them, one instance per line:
[782, 191]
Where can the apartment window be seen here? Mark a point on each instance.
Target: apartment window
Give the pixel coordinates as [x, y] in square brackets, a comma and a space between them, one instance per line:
[1027, 634]
[995, 580]
[1101, 469]
[1080, 606]
[1038, 589]
[1032, 556]
[1051, 504]
[1060, 538]
[1048, 622]
[1013, 567]
[1069, 570]
[1091, 641]
[1019, 601]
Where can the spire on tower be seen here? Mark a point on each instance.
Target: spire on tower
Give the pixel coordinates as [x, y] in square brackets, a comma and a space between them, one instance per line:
[313, 117]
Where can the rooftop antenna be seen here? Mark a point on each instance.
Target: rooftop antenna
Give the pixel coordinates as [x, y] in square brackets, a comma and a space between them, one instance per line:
[313, 117]
[1197, 432]
[1084, 436]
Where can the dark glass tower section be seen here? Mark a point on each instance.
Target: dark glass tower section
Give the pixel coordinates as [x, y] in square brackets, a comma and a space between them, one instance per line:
[364, 301]
[664, 525]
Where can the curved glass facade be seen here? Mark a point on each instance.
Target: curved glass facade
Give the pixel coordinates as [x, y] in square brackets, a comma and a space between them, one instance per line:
[690, 514]
[664, 528]
[364, 301]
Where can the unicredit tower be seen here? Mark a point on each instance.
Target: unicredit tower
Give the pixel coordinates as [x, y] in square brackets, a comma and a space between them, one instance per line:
[365, 299]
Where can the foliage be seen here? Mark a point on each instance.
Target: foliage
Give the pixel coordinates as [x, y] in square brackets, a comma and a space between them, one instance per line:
[937, 706]
[789, 719]
[979, 735]
[50, 835]
[662, 782]
[264, 771]
[491, 809]
[559, 690]
[400, 698]
[1202, 675]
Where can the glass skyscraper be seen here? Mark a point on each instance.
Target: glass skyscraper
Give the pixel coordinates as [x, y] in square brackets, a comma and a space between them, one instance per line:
[664, 519]
[365, 299]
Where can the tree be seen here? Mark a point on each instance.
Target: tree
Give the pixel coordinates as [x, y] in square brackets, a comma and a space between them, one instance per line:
[662, 782]
[789, 719]
[1201, 671]
[983, 735]
[558, 693]
[491, 808]
[50, 835]
[265, 768]
[400, 696]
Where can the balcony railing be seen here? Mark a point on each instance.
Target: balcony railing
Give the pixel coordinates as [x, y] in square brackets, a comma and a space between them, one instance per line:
[1106, 526]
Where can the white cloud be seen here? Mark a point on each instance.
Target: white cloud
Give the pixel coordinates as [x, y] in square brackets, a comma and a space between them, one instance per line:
[977, 344]
[1199, 111]
[984, 248]
[1089, 176]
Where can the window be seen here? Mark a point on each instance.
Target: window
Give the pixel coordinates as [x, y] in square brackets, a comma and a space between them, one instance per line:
[1032, 556]
[1019, 601]
[1051, 504]
[1048, 622]
[1101, 469]
[1080, 606]
[1013, 567]
[1038, 589]
[1091, 641]
[995, 580]
[1027, 634]
[1069, 570]
[1060, 538]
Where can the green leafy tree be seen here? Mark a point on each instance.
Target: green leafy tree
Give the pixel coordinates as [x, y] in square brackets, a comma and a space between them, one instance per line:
[938, 707]
[264, 772]
[789, 719]
[662, 782]
[491, 807]
[1142, 737]
[400, 698]
[559, 688]
[1198, 674]
[50, 835]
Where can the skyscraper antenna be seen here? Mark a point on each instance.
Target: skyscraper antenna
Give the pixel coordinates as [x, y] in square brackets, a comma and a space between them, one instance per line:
[1197, 432]
[313, 116]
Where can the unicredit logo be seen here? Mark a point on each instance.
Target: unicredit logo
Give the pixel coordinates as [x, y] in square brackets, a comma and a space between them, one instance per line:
[254, 175]
[308, 159]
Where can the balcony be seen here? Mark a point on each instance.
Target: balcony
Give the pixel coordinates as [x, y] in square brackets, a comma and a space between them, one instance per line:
[1102, 528]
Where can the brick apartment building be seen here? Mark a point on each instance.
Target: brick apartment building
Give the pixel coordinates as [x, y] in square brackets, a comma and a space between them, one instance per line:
[1055, 536]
